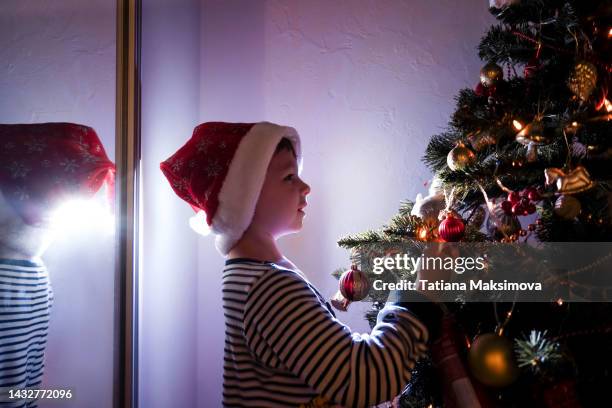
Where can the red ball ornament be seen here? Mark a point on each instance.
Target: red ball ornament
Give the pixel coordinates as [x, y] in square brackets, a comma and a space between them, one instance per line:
[451, 229]
[519, 209]
[507, 207]
[514, 197]
[353, 284]
[480, 90]
[533, 194]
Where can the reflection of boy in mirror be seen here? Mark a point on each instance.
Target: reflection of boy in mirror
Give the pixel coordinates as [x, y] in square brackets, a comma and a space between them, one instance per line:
[41, 166]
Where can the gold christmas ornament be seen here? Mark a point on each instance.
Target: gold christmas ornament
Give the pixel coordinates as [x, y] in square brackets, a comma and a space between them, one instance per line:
[576, 181]
[567, 207]
[491, 360]
[541, 131]
[460, 157]
[491, 74]
[583, 79]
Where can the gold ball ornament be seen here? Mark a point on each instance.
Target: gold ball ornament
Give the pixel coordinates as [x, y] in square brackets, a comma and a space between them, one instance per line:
[491, 360]
[567, 207]
[583, 79]
[491, 74]
[460, 157]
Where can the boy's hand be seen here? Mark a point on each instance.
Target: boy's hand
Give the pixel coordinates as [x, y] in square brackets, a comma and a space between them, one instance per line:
[442, 250]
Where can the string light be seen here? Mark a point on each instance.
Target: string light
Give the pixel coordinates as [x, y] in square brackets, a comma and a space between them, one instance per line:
[422, 233]
[560, 302]
[517, 125]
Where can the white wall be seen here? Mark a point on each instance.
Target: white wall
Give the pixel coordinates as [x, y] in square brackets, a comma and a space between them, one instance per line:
[366, 83]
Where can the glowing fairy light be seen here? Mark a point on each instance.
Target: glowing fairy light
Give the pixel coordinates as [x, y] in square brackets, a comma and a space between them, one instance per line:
[517, 125]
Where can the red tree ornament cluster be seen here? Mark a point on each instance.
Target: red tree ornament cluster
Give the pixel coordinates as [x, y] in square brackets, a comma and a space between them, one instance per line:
[522, 203]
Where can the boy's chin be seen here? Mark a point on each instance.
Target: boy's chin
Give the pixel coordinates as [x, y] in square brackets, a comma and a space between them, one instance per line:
[291, 230]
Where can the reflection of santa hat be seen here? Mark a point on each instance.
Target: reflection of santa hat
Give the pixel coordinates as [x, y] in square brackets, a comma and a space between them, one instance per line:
[43, 163]
[221, 171]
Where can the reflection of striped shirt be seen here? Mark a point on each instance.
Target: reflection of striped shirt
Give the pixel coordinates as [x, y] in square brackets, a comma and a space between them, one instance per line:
[284, 346]
[26, 298]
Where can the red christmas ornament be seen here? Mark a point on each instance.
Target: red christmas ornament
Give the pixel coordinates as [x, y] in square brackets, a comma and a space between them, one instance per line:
[519, 209]
[451, 229]
[480, 90]
[532, 194]
[507, 207]
[354, 284]
[514, 197]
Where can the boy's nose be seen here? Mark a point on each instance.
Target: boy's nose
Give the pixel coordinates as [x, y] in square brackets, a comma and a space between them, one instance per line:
[305, 188]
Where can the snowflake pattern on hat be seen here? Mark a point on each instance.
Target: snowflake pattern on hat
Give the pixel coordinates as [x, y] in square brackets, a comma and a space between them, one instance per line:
[208, 155]
[47, 162]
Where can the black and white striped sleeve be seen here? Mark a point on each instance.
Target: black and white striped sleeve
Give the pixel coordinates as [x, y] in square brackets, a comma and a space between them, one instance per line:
[285, 319]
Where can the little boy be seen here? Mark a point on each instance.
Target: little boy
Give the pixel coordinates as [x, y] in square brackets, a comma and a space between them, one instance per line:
[284, 346]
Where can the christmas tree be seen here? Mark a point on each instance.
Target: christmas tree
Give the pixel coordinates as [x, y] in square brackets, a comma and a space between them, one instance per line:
[529, 150]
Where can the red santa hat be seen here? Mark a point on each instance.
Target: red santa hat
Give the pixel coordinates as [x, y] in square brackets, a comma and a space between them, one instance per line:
[220, 172]
[44, 163]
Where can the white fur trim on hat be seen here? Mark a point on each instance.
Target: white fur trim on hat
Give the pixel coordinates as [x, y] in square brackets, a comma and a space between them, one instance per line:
[245, 177]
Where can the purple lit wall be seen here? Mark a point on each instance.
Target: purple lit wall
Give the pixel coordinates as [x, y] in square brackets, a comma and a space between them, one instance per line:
[366, 83]
[169, 268]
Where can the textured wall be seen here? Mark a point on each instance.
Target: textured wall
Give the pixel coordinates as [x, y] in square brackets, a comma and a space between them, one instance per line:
[168, 270]
[57, 63]
[366, 83]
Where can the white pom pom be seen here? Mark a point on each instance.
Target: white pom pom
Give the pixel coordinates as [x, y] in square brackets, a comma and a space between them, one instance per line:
[198, 223]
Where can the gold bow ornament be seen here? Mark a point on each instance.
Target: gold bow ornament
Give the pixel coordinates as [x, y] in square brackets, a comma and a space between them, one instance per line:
[573, 182]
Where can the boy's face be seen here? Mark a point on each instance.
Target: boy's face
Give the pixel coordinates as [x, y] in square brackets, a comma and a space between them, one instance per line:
[279, 210]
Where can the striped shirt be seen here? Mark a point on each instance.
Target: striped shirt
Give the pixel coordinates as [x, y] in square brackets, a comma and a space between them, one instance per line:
[26, 298]
[284, 346]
